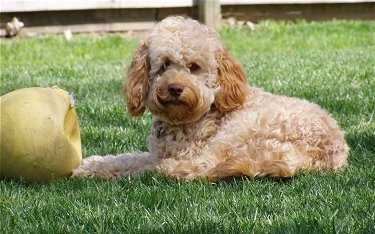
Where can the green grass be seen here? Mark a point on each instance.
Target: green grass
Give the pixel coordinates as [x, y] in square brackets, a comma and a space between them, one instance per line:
[332, 64]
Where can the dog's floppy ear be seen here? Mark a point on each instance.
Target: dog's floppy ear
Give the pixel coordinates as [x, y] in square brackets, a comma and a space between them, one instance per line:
[136, 86]
[233, 83]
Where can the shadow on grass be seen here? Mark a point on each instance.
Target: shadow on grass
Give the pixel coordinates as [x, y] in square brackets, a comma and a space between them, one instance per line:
[234, 181]
[364, 141]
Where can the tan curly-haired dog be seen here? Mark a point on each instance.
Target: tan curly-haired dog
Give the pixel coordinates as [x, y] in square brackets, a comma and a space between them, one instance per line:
[208, 122]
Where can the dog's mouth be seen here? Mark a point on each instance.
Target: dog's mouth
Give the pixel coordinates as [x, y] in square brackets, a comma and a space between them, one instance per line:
[175, 102]
[186, 107]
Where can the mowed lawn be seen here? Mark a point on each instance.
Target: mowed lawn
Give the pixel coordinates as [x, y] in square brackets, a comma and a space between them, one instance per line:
[330, 63]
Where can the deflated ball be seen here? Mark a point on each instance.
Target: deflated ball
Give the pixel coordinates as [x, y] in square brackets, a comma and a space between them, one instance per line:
[40, 138]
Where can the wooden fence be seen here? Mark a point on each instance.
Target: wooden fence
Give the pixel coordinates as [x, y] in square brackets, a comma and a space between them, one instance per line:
[55, 16]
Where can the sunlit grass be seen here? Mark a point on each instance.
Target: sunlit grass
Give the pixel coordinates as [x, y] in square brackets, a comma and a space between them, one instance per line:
[329, 63]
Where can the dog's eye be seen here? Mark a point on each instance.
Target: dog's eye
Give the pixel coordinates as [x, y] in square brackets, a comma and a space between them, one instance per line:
[164, 67]
[193, 67]
[166, 64]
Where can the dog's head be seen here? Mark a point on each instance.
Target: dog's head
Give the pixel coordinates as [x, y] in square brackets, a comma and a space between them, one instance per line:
[180, 70]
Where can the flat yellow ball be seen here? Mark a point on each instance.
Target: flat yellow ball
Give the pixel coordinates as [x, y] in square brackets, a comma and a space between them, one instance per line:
[40, 138]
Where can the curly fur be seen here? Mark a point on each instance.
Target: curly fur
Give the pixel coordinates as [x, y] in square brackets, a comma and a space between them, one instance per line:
[208, 122]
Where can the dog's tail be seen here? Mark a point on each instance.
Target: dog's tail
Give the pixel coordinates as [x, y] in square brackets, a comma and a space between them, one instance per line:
[244, 166]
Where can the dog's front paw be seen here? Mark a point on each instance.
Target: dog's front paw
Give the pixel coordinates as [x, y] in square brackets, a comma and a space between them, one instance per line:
[94, 166]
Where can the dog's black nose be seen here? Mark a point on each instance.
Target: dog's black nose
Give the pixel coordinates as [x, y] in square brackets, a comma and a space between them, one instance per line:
[175, 90]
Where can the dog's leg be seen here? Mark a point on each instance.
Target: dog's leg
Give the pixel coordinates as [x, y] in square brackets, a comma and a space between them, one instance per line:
[244, 166]
[181, 169]
[188, 169]
[115, 166]
[236, 162]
